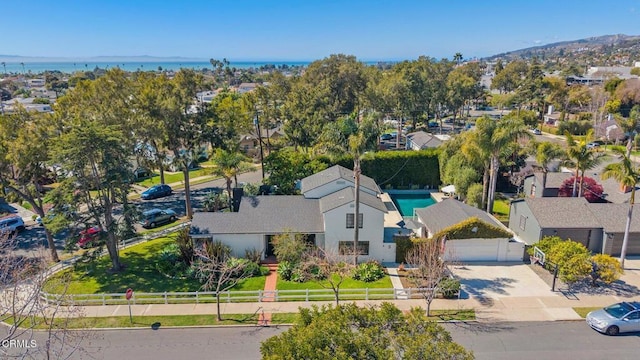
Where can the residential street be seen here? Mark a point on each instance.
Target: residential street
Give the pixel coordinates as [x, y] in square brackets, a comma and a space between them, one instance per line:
[496, 341]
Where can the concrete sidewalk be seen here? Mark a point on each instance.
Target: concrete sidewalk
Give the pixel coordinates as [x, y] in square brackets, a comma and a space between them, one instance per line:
[550, 308]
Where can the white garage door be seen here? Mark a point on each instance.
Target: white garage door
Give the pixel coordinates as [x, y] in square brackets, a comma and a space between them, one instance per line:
[483, 250]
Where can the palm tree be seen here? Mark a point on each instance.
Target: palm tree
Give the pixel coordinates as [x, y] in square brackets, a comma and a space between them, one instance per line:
[545, 153]
[582, 158]
[4, 65]
[23, 72]
[457, 58]
[493, 140]
[229, 164]
[627, 174]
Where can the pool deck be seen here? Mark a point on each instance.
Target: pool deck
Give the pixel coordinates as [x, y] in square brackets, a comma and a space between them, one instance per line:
[393, 217]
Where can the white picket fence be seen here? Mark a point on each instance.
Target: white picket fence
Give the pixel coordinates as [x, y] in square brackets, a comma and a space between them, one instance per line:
[233, 296]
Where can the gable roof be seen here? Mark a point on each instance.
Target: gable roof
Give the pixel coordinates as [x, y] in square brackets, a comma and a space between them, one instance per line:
[263, 215]
[346, 196]
[554, 179]
[613, 217]
[334, 173]
[423, 140]
[562, 212]
[450, 212]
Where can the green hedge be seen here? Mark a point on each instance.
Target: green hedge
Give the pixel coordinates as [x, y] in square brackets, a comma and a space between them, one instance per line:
[407, 168]
[403, 245]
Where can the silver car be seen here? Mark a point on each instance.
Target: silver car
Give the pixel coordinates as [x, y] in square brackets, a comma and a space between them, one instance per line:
[617, 318]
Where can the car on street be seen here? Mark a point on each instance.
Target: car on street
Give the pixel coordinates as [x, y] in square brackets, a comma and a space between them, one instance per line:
[154, 217]
[11, 224]
[618, 318]
[536, 131]
[386, 137]
[593, 145]
[87, 236]
[66, 211]
[156, 191]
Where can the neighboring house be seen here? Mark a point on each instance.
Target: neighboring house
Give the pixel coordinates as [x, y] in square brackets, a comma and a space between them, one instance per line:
[533, 184]
[609, 130]
[552, 118]
[246, 87]
[531, 219]
[206, 96]
[324, 212]
[613, 218]
[450, 212]
[421, 140]
[36, 82]
[249, 143]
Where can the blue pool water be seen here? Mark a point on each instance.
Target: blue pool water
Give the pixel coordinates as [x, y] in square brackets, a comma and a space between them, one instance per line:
[407, 202]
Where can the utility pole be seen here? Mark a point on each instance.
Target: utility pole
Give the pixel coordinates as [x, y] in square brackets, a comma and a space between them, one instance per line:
[257, 124]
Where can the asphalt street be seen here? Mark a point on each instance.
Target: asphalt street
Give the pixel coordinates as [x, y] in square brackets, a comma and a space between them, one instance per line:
[497, 341]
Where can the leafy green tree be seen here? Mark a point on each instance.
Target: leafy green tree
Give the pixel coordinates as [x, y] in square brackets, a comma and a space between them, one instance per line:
[287, 166]
[510, 77]
[24, 154]
[94, 146]
[627, 174]
[474, 195]
[289, 247]
[350, 332]
[572, 259]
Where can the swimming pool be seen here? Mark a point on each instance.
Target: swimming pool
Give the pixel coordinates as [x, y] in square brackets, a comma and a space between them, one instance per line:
[409, 200]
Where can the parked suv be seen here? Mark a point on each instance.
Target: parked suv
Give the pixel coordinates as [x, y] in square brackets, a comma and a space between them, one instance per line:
[155, 217]
[11, 224]
[156, 191]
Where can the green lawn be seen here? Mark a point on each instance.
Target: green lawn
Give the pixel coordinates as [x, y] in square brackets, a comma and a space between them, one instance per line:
[384, 283]
[170, 178]
[162, 321]
[583, 311]
[140, 274]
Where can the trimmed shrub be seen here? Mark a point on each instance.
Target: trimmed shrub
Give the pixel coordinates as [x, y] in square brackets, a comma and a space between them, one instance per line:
[252, 255]
[403, 245]
[608, 268]
[472, 228]
[368, 272]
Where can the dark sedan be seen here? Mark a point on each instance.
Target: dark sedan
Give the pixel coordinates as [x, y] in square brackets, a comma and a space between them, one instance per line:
[156, 191]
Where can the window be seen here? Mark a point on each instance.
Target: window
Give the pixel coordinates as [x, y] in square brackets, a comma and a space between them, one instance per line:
[350, 221]
[523, 222]
[346, 247]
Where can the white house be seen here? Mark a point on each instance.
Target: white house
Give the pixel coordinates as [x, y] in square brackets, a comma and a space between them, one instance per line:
[324, 213]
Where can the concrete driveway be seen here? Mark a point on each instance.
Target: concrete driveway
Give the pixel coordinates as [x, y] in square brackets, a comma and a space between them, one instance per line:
[500, 280]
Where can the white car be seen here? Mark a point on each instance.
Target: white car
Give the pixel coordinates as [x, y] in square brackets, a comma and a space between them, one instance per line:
[11, 224]
[593, 145]
[536, 131]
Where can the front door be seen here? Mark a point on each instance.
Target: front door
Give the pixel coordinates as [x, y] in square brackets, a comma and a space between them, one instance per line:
[269, 248]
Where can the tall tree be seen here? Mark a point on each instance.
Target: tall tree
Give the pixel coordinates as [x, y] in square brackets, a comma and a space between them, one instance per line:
[582, 158]
[228, 165]
[24, 155]
[627, 174]
[94, 147]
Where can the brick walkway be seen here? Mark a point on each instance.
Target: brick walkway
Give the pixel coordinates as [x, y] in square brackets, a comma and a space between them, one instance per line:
[269, 286]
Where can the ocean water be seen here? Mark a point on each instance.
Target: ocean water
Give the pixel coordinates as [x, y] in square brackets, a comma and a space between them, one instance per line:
[71, 67]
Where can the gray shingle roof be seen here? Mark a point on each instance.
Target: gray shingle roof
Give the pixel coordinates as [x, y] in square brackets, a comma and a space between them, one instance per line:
[335, 173]
[263, 214]
[346, 196]
[613, 217]
[554, 179]
[450, 212]
[562, 212]
[424, 140]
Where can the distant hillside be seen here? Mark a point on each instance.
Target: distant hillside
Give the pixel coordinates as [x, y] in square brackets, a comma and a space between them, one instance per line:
[607, 50]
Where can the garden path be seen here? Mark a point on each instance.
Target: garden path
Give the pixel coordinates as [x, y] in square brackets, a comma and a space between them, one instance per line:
[269, 292]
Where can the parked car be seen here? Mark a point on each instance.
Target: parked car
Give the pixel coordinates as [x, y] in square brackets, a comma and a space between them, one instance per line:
[536, 131]
[11, 224]
[156, 191]
[87, 236]
[617, 318]
[593, 145]
[386, 137]
[154, 217]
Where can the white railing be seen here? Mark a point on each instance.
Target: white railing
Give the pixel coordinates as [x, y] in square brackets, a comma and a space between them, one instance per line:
[234, 296]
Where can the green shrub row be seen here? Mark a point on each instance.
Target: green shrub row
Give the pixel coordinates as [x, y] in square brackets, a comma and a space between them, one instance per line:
[407, 168]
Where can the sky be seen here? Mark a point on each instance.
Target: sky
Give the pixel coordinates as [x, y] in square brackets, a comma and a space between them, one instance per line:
[303, 30]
